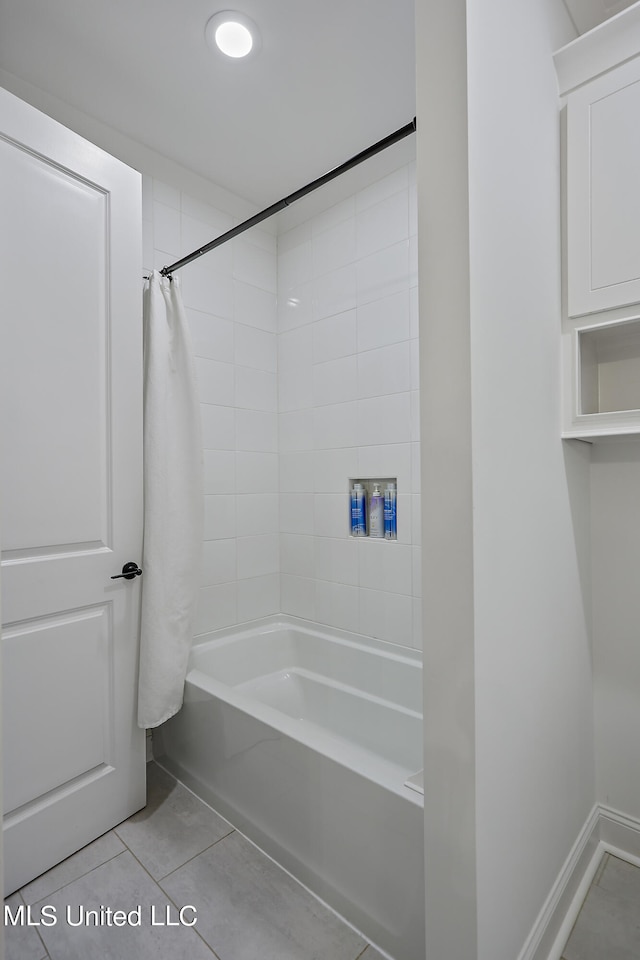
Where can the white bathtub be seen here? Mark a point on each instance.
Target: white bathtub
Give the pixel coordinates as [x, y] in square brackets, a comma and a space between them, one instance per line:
[304, 740]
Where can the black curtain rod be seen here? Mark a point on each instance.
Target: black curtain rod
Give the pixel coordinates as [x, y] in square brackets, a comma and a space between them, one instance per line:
[302, 192]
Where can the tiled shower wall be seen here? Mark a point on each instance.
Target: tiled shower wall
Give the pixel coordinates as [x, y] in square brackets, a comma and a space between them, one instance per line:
[348, 407]
[230, 302]
[300, 397]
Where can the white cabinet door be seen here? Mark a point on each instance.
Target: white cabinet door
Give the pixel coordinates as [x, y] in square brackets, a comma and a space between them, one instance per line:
[70, 489]
[603, 191]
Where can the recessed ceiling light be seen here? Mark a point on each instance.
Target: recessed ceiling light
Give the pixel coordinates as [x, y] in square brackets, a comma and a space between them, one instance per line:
[232, 33]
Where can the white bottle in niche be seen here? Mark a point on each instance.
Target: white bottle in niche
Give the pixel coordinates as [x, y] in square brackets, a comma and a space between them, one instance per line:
[376, 512]
[390, 518]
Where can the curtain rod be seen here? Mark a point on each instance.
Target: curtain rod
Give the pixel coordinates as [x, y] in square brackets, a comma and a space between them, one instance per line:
[297, 195]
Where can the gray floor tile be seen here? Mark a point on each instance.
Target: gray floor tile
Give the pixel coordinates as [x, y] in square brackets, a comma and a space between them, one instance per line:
[91, 856]
[621, 879]
[607, 928]
[248, 908]
[172, 828]
[121, 884]
[21, 942]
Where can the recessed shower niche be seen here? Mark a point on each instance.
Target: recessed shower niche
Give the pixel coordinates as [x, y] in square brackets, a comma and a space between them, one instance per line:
[373, 507]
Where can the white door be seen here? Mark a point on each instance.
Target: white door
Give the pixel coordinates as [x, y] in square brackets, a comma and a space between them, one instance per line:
[70, 489]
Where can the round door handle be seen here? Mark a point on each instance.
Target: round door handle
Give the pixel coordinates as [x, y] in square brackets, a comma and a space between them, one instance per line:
[130, 571]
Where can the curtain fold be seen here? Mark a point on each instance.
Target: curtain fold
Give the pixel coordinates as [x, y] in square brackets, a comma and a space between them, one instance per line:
[173, 502]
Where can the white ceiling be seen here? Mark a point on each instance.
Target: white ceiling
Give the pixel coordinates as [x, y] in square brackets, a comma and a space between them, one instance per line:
[332, 77]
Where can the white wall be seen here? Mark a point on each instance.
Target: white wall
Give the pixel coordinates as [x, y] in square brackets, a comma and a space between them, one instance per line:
[230, 302]
[348, 398]
[534, 712]
[615, 537]
[514, 782]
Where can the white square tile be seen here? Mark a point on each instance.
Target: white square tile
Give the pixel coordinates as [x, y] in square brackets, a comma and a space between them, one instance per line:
[297, 471]
[334, 248]
[334, 337]
[414, 313]
[337, 605]
[295, 349]
[337, 213]
[385, 321]
[417, 625]
[383, 273]
[413, 261]
[209, 292]
[334, 468]
[297, 513]
[257, 556]
[215, 381]
[219, 517]
[296, 430]
[218, 427]
[332, 512]
[386, 187]
[219, 474]
[217, 607]
[294, 237]
[335, 425]
[385, 565]
[256, 514]
[298, 597]
[216, 221]
[166, 194]
[416, 518]
[335, 381]
[415, 467]
[212, 337]
[295, 390]
[218, 562]
[382, 420]
[297, 555]
[337, 560]
[387, 616]
[385, 370]
[255, 265]
[166, 229]
[256, 472]
[387, 460]
[197, 233]
[256, 430]
[256, 389]
[295, 306]
[405, 519]
[295, 266]
[255, 307]
[335, 292]
[414, 346]
[256, 348]
[416, 554]
[383, 224]
[415, 415]
[259, 597]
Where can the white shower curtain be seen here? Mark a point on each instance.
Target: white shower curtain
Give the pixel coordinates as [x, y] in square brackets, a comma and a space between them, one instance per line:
[173, 502]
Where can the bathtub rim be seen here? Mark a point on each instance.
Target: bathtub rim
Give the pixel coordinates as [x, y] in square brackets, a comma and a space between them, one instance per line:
[365, 763]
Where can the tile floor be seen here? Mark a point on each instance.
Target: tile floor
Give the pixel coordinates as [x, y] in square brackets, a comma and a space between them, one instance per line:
[608, 925]
[177, 852]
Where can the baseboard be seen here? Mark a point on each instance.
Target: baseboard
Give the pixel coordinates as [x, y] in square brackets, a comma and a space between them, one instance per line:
[605, 831]
[555, 914]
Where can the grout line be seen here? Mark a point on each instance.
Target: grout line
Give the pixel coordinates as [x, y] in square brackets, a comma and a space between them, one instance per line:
[80, 875]
[195, 856]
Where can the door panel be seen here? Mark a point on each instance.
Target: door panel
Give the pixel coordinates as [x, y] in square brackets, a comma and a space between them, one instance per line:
[70, 489]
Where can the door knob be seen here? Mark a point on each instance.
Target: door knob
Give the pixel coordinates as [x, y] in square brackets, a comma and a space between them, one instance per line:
[130, 571]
